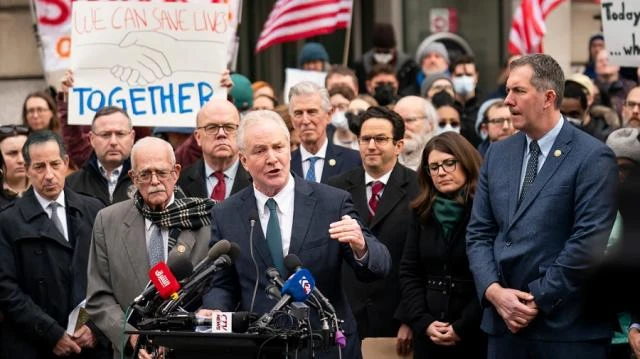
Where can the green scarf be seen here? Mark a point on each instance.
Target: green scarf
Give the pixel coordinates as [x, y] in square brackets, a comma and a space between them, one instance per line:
[448, 213]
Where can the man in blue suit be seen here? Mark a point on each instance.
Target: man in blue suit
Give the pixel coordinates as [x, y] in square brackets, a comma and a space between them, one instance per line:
[316, 222]
[542, 213]
[317, 159]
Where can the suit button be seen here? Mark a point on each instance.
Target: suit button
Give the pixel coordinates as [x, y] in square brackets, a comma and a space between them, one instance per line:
[508, 243]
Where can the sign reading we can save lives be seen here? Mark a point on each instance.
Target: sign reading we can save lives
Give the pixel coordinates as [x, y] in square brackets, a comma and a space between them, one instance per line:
[160, 62]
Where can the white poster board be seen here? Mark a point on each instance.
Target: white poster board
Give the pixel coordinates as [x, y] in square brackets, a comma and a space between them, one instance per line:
[295, 76]
[159, 61]
[620, 23]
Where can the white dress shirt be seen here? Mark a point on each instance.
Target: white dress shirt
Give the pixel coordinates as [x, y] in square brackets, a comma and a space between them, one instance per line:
[321, 154]
[545, 143]
[62, 212]
[368, 181]
[112, 178]
[149, 227]
[285, 201]
[229, 178]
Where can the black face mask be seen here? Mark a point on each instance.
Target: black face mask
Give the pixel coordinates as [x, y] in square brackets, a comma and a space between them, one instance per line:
[385, 94]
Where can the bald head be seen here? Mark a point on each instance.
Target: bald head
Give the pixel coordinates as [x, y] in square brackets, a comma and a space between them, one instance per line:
[216, 108]
[151, 144]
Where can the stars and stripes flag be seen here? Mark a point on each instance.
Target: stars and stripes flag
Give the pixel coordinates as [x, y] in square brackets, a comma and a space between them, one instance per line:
[292, 20]
[528, 27]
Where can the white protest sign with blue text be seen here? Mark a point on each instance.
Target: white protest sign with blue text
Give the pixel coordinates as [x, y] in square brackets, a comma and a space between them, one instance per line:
[620, 21]
[159, 61]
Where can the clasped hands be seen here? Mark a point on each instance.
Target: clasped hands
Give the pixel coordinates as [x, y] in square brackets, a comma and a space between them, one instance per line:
[73, 344]
[517, 308]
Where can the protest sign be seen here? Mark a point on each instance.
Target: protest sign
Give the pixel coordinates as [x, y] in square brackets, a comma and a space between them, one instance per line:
[161, 62]
[620, 20]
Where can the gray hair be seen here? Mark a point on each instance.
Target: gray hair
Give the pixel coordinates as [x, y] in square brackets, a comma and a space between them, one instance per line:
[547, 74]
[156, 144]
[308, 88]
[260, 116]
[39, 137]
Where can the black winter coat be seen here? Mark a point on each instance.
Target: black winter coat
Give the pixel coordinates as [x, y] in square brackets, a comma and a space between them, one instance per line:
[90, 182]
[43, 277]
[437, 284]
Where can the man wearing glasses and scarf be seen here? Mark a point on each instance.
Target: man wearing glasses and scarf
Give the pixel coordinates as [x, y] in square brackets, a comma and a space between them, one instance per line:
[131, 236]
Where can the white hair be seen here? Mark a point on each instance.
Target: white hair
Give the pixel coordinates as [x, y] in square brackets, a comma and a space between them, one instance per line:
[155, 144]
[431, 113]
[308, 88]
[260, 116]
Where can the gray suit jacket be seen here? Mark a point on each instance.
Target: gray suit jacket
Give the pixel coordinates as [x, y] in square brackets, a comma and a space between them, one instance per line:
[119, 263]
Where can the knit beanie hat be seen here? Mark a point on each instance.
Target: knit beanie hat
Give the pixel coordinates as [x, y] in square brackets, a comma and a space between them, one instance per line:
[383, 36]
[625, 143]
[481, 112]
[430, 79]
[312, 51]
[241, 92]
[426, 49]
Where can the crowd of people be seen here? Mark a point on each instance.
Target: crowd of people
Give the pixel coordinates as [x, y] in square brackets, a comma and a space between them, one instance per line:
[460, 224]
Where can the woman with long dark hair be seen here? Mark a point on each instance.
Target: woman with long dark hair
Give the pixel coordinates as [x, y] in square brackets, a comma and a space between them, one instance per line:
[437, 285]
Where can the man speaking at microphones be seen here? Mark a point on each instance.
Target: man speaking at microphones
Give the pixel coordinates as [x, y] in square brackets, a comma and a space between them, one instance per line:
[289, 215]
[133, 236]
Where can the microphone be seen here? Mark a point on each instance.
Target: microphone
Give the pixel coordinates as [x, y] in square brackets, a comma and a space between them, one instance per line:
[252, 220]
[273, 292]
[179, 264]
[181, 321]
[163, 280]
[293, 264]
[220, 247]
[297, 288]
[273, 275]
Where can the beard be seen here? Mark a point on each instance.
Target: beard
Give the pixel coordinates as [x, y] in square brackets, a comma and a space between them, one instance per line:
[416, 144]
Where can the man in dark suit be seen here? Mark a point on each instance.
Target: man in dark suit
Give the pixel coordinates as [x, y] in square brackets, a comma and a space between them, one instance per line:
[104, 176]
[313, 221]
[317, 159]
[381, 191]
[218, 174]
[542, 214]
[44, 247]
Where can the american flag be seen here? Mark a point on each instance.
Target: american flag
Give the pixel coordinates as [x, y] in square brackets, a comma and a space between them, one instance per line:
[527, 26]
[292, 20]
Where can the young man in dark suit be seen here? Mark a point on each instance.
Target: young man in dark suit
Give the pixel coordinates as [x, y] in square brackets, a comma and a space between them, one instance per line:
[381, 190]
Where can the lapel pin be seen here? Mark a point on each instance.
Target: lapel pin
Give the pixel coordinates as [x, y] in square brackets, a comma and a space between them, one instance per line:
[557, 153]
[332, 162]
[181, 248]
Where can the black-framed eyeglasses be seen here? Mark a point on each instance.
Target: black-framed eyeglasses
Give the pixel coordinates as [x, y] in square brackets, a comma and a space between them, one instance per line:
[379, 140]
[106, 135]
[213, 128]
[447, 166]
[631, 104]
[14, 129]
[499, 121]
[146, 176]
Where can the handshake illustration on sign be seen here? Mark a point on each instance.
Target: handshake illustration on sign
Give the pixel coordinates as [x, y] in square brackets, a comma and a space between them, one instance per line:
[141, 57]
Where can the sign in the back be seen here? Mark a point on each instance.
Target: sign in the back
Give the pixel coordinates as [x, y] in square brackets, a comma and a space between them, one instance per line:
[161, 62]
[620, 21]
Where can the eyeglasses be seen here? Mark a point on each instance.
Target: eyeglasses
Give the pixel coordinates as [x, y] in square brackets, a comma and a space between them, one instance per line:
[14, 129]
[499, 121]
[379, 140]
[38, 110]
[448, 166]
[108, 135]
[413, 119]
[214, 128]
[146, 176]
[631, 104]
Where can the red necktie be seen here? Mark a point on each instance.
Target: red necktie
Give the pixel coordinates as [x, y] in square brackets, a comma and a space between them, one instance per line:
[220, 189]
[376, 188]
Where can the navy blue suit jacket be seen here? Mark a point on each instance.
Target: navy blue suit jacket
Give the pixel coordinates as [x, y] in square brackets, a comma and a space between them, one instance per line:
[548, 244]
[337, 160]
[315, 207]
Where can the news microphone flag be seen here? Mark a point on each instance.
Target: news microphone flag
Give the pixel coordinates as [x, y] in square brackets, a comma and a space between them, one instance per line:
[164, 281]
[299, 286]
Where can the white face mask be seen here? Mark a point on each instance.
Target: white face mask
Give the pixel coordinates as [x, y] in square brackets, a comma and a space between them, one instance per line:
[339, 120]
[463, 85]
[382, 58]
[447, 128]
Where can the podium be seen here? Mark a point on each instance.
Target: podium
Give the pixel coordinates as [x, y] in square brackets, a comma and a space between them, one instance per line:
[187, 344]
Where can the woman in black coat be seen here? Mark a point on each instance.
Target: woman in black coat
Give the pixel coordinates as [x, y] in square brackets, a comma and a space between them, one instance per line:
[437, 285]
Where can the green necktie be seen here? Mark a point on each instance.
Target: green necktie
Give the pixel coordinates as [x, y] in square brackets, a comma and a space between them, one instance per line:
[274, 237]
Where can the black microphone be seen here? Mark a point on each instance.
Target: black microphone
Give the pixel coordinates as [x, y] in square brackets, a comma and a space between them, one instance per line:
[273, 275]
[220, 247]
[178, 265]
[273, 292]
[181, 321]
[253, 220]
[293, 264]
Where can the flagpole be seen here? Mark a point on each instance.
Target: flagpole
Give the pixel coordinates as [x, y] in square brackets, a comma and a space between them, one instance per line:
[347, 40]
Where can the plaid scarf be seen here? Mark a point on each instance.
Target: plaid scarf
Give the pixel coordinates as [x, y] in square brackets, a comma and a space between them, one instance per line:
[183, 213]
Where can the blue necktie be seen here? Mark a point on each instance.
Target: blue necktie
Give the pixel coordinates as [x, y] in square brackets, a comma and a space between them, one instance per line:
[156, 245]
[532, 169]
[274, 237]
[311, 173]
